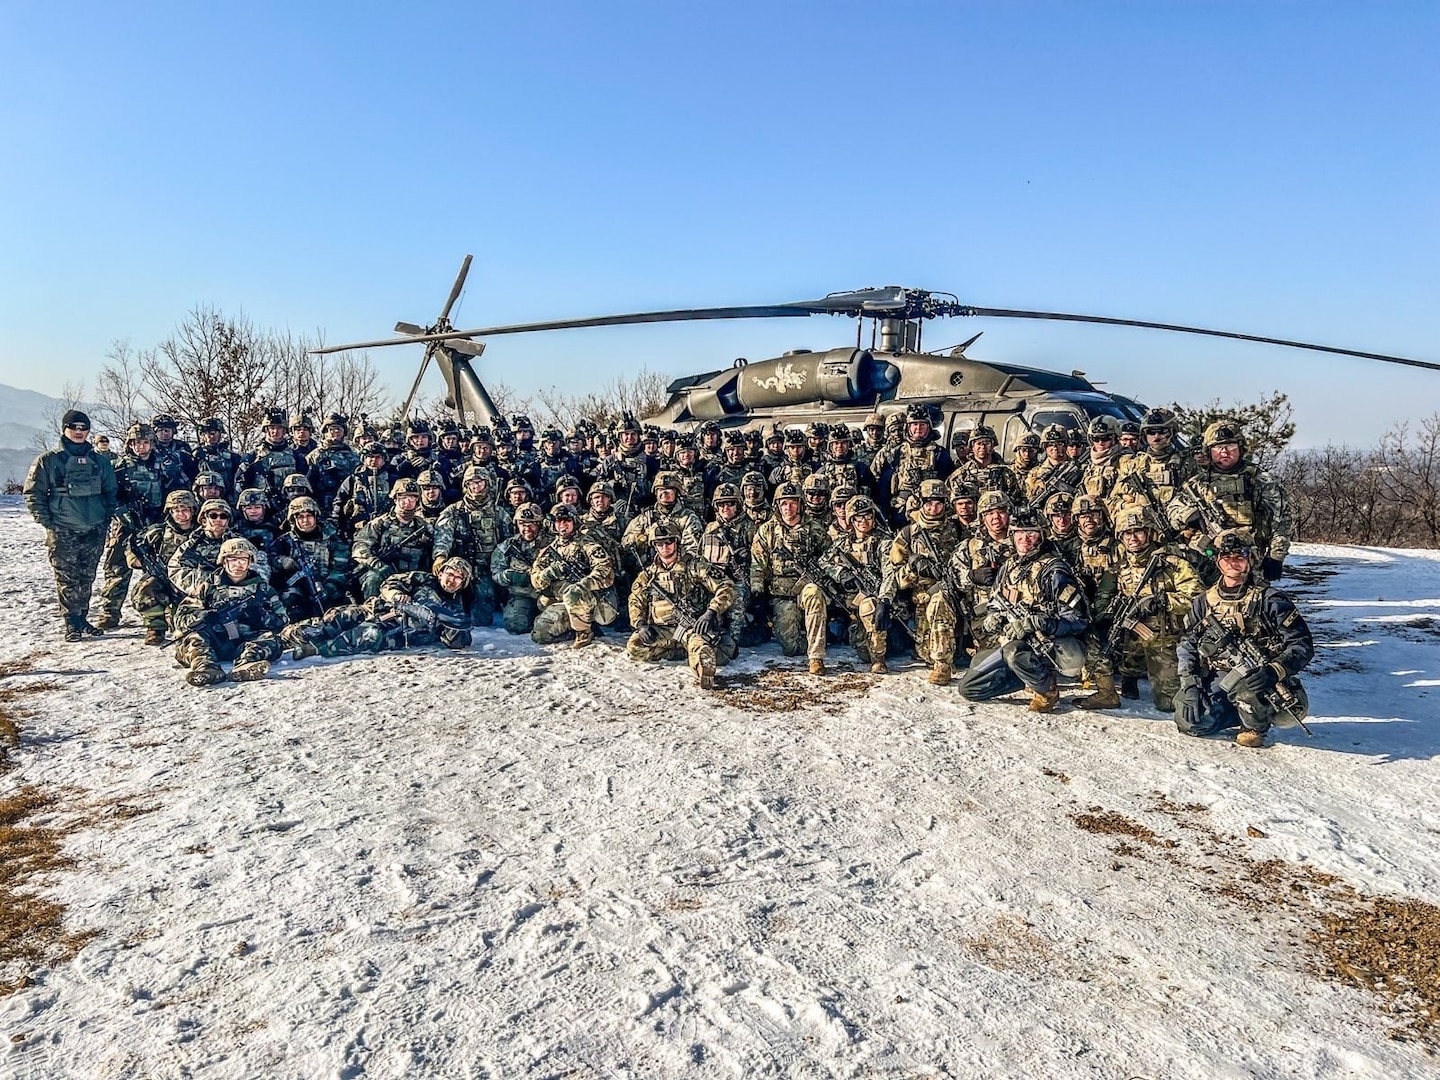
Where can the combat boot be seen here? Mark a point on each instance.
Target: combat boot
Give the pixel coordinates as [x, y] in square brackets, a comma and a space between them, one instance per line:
[1130, 687]
[205, 674]
[250, 670]
[1251, 738]
[941, 674]
[584, 638]
[817, 667]
[107, 620]
[1104, 696]
[877, 654]
[154, 635]
[706, 676]
[304, 651]
[1044, 701]
[72, 628]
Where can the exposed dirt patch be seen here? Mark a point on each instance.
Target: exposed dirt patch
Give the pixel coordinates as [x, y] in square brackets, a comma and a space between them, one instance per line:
[13, 708]
[1387, 945]
[1055, 774]
[1010, 943]
[780, 690]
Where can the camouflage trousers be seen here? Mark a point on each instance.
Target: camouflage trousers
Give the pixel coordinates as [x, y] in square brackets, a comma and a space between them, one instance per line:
[1243, 708]
[869, 643]
[75, 558]
[1161, 666]
[117, 571]
[577, 609]
[936, 617]
[519, 613]
[702, 657]
[200, 650]
[799, 622]
[1017, 665]
[148, 600]
[482, 602]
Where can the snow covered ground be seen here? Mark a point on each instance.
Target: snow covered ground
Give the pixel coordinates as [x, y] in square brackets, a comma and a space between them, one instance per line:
[529, 862]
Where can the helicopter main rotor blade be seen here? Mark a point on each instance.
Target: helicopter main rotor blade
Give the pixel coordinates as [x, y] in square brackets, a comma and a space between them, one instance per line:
[455, 289]
[1011, 313]
[415, 386]
[408, 328]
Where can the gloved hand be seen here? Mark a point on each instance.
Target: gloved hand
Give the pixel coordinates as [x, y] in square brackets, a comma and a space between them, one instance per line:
[993, 623]
[1271, 569]
[1149, 606]
[1188, 710]
[708, 625]
[516, 577]
[926, 567]
[1261, 679]
[984, 576]
[1194, 521]
[286, 564]
[648, 634]
[882, 615]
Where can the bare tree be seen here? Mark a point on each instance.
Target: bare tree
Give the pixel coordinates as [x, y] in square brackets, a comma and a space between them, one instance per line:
[119, 393]
[1411, 477]
[72, 395]
[641, 394]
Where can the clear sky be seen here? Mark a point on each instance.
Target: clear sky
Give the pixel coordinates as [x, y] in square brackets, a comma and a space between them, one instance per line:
[1270, 168]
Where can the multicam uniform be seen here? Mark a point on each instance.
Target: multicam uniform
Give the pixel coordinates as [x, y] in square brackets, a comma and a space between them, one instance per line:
[510, 570]
[918, 556]
[698, 586]
[391, 545]
[570, 577]
[797, 604]
[850, 558]
[1170, 584]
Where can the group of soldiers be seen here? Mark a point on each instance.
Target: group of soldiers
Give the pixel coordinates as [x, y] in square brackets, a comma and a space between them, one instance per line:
[1104, 554]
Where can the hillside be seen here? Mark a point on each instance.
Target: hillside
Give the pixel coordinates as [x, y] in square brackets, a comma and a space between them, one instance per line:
[519, 861]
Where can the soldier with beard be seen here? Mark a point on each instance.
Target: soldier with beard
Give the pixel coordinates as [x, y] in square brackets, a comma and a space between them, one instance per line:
[141, 493]
[214, 455]
[510, 569]
[154, 600]
[919, 558]
[398, 541]
[674, 587]
[571, 575]
[472, 529]
[858, 562]
[1037, 614]
[784, 549]
[267, 466]
[329, 464]
[71, 491]
[365, 494]
[310, 563]
[233, 614]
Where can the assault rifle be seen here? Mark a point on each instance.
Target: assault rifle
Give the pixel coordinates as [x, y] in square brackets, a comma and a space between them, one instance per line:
[134, 514]
[305, 571]
[870, 583]
[224, 618]
[687, 615]
[1064, 478]
[154, 567]
[1223, 646]
[572, 570]
[809, 566]
[1122, 612]
[1140, 484]
[999, 604]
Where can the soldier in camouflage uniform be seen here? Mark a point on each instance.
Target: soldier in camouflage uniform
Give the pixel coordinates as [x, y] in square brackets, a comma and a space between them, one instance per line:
[1131, 440]
[1056, 473]
[297, 485]
[978, 559]
[635, 542]
[774, 455]
[365, 494]
[872, 440]
[858, 563]
[1152, 477]
[397, 541]
[1060, 528]
[214, 455]
[329, 464]
[982, 470]
[919, 557]
[141, 494]
[965, 505]
[726, 543]
[1096, 572]
[709, 444]
[252, 521]
[233, 614]
[1232, 492]
[1102, 469]
[419, 453]
[210, 485]
[674, 587]
[1026, 458]
[154, 600]
[797, 603]
[755, 498]
[796, 466]
[302, 435]
[432, 494]
[571, 576]
[472, 529]
[553, 461]
[733, 464]
[1216, 690]
[1037, 613]
[267, 466]
[310, 564]
[412, 610]
[510, 568]
[173, 457]
[71, 492]
[199, 553]
[816, 493]
[919, 457]
[841, 468]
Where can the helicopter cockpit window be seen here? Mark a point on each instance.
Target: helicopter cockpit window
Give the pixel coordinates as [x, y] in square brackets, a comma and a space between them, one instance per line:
[1039, 421]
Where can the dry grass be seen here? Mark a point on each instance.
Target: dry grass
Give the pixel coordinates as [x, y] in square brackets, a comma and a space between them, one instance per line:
[781, 690]
[12, 711]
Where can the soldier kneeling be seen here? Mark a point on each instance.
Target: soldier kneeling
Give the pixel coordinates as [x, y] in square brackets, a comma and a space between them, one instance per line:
[232, 616]
[1243, 647]
[678, 607]
[571, 576]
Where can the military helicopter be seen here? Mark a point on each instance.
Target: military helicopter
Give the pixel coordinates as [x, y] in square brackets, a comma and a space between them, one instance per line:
[841, 385]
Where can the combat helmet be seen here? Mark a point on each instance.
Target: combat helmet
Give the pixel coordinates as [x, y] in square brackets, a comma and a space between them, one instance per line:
[1055, 435]
[601, 487]
[725, 493]
[1102, 427]
[564, 512]
[140, 431]
[529, 513]
[665, 479]
[404, 486]
[180, 497]
[461, 566]
[1060, 502]
[994, 500]
[859, 505]
[1028, 441]
[430, 478]
[1234, 542]
[475, 471]
[216, 506]
[1085, 503]
[664, 530]
[1221, 432]
[164, 420]
[296, 484]
[1158, 421]
[251, 497]
[1132, 517]
[794, 437]
[933, 489]
[302, 505]
[1026, 519]
[236, 545]
[816, 484]
[788, 491]
[983, 431]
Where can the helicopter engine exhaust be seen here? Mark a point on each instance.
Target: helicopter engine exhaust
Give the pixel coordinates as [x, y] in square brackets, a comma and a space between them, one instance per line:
[842, 376]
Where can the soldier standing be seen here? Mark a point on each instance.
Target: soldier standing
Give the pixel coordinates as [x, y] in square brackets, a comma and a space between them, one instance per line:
[214, 455]
[919, 457]
[365, 493]
[267, 466]
[472, 529]
[71, 492]
[1037, 613]
[679, 604]
[1243, 647]
[982, 469]
[141, 494]
[331, 462]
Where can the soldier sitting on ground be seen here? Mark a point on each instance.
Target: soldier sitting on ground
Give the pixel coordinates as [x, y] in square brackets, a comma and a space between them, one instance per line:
[679, 606]
[1243, 647]
[233, 615]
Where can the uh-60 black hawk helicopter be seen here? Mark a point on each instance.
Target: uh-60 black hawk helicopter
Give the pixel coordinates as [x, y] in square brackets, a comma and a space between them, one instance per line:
[840, 385]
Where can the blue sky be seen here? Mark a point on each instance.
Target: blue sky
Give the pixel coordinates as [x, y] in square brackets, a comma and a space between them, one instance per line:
[1270, 168]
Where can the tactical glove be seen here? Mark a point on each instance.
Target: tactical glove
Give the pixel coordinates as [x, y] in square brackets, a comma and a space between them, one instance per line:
[882, 616]
[708, 625]
[286, 564]
[649, 635]
[926, 567]
[984, 576]
[1188, 710]
[1149, 606]
[1271, 569]
[1261, 680]
[993, 623]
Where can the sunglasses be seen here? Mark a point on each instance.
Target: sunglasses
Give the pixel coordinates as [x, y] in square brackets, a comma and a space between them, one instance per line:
[77, 427]
[215, 515]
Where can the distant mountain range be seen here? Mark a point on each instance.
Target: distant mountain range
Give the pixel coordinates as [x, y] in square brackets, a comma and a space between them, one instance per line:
[25, 414]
